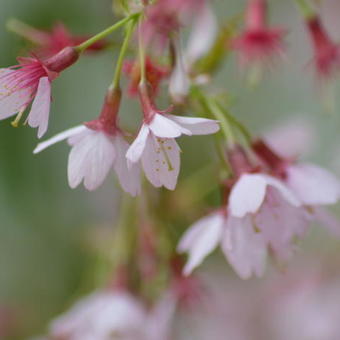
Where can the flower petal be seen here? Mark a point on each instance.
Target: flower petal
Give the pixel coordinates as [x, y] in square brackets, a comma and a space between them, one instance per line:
[247, 195]
[179, 83]
[313, 185]
[38, 117]
[280, 222]
[286, 193]
[91, 159]
[129, 177]
[161, 161]
[327, 220]
[197, 126]
[15, 102]
[201, 239]
[165, 128]
[135, 151]
[244, 248]
[203, 34]
[59, 137]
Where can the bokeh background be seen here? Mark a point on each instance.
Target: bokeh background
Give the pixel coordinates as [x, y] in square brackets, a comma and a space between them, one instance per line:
[45, 257]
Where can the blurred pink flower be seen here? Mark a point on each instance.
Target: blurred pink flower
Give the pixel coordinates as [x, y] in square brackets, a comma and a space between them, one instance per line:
[258, 43]
[100, 316]
[53, 41]
[155, 145]
[326, 52]
[312, 185]
[29, 81]
[155, 73]
[166, 17]
[104, 315]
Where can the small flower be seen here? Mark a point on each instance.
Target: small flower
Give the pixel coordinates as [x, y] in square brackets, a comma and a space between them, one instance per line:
[258, 43]
[179, 83]
[203, 34]
[262, 214]
[155, 145]
[242, 246]
[102, 315]
[154, 74]
[30, 81]
[97, 147]
[311, 184]
[326, 52]
[166, 17]
[50, 42]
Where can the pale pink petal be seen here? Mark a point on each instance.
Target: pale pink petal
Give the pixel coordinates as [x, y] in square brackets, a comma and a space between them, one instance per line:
[201, 239]
[136, 149]
[197, 126]
[161, 162]
[15, 102]
[244, 248]
[247, 195]
[60, 137]
[203, 34]
[286, 193]
[292, 138]
[91, 159]
[327, 220]
[38, 117]
[179, 84]
[129, 177]
[313, 185]
[160, 321]
[166, 128]
[280, 222]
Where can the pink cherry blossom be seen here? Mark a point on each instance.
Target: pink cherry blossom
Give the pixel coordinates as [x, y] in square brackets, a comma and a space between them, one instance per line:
[312, 185]
[100, 316]
[258, 43]
[30, 82]
[165, 17]
[97, 147]
[106, 314]
[326, 52]
[242, 246]
[155, 145]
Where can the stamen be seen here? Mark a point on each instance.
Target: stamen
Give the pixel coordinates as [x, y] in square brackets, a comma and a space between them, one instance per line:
[166, 156]
[16, 121]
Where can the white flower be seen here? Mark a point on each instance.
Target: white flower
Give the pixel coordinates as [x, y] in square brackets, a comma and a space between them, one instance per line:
[157, 149]
[93, 154]
[242, 246]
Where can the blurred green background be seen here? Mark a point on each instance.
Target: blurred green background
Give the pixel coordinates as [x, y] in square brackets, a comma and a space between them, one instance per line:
[44, 224]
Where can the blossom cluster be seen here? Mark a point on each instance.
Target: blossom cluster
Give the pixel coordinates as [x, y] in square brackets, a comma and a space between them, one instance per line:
[268, 199]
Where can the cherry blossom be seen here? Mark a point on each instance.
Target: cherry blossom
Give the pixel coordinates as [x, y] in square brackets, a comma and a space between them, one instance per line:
[326, 52]
[97, 147]
[258, 43]
[101, 315]
[312, 185]
[155, 145]
[242, 246]
[30, 81]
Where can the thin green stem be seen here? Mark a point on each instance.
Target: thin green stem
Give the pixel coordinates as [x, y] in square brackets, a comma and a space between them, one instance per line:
[220, 116]
[86, 44]
[240, 126]
[119, 65]
[141, 57]
[305, 8]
